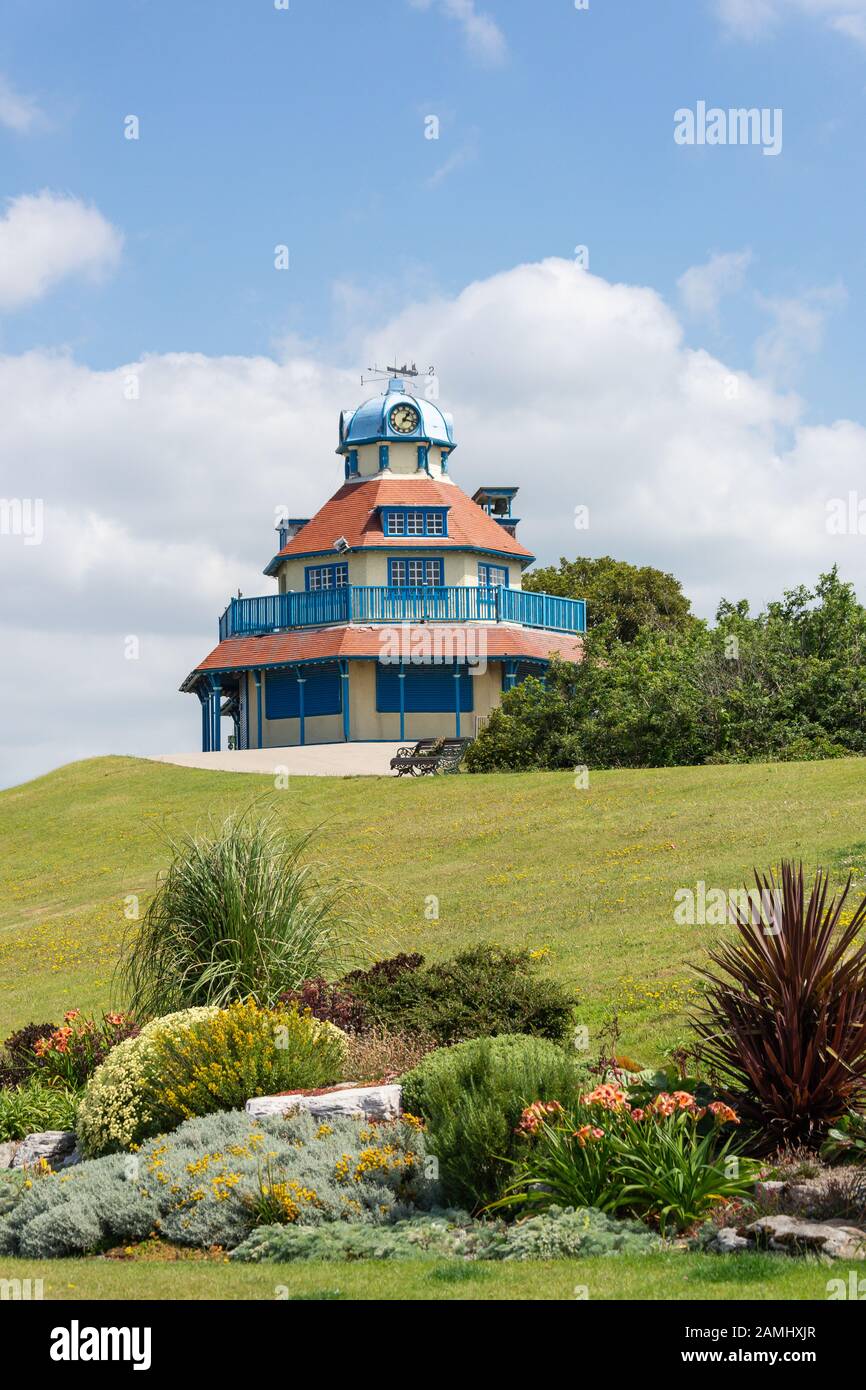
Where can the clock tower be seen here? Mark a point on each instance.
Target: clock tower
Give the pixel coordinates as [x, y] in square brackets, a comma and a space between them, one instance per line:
[396, 434]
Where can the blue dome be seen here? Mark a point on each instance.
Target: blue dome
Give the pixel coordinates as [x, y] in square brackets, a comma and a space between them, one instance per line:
[371, 422]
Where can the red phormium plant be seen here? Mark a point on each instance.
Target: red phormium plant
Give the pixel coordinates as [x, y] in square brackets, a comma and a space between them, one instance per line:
[784, 1017]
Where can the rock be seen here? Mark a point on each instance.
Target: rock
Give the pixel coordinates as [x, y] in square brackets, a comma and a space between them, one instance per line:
[796, 1236]
[363, 1102]
[770, 1188]
[728, 1241]
[56, 1146]
[7, 1152]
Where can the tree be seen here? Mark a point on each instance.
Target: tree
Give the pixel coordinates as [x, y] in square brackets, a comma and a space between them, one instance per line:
[787, 684]
[621, 597]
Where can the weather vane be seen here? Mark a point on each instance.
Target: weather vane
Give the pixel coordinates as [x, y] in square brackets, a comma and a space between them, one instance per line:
[408, 369]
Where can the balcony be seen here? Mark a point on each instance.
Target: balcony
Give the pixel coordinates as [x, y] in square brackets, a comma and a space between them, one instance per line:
[357, 603]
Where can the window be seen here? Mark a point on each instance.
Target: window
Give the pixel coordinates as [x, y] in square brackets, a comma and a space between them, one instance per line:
[321, 692]
[489, 575]
[415, 573]
[426, 689]
[327, 576]
[405, 521]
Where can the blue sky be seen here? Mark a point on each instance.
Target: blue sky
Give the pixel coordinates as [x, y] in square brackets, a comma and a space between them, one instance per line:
[305, 127]
[698, 387]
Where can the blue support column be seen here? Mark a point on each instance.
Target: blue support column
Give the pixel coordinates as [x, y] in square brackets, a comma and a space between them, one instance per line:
[257, 677]
[217, 699]
[344, 697]
[301, 683]
[205, 731]
[456, 700]
[401, 676]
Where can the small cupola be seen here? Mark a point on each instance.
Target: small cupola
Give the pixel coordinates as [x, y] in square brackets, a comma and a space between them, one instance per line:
[497, 502]
[398, 431]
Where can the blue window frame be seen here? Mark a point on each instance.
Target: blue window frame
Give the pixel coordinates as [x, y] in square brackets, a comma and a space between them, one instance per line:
[415, 572]
[351, 462]
[326, 576]
[415, 521]
[321, 692]
[383, 456]
[427, 689]
[490, 575]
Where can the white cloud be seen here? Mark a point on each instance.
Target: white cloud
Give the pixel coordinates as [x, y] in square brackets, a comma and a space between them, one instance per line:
[484, 38]
[17, 112]
[754, 18]
[581, 391]
[702, 287]
[462, 156]
[46, 237]
[796, 330]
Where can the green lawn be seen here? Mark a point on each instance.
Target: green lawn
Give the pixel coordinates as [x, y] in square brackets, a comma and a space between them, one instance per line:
[587, 876]
[667, 1277]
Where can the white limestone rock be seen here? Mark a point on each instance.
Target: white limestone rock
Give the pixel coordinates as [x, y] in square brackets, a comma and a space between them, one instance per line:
[728, 1241]
[360, 1102]
[7, 1152]
[56, 1146]
[796, 1236]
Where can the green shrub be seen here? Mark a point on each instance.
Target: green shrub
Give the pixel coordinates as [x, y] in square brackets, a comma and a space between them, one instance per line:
[12, 1182]
[219, 1062]
[113, 1112]
[846, 1140]
[453, 1235]
[560, 1234]
[33, 1107]
[200, 1061]
[238, 914]
[202, 1185]
[480, 992]
[471, 1097]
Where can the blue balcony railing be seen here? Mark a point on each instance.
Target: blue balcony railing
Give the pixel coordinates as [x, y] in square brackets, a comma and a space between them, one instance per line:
[371, 603]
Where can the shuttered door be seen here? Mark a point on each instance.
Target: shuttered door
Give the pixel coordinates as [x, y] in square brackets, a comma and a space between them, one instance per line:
[428, 690]
[321, 692]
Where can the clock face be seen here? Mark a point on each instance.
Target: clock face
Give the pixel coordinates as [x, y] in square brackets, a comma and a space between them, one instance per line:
[404, 419]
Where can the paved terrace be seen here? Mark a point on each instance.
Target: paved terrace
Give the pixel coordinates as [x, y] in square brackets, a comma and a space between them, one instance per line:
[313, 760]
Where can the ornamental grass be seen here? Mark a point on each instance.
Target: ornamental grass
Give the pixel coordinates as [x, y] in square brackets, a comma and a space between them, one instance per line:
[239, 913]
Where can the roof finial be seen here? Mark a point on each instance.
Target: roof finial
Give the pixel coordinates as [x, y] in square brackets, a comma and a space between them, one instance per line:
[394, 373]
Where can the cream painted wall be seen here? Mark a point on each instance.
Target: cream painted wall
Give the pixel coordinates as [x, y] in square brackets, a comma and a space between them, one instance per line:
[366, 724]
[371, 567]
[402, 461]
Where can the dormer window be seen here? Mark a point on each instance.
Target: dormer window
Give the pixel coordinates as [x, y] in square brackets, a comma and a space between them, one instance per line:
[415, 521]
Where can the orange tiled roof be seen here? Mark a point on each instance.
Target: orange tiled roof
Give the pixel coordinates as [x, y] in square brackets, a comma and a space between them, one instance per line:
[322, 644]
[352, 513]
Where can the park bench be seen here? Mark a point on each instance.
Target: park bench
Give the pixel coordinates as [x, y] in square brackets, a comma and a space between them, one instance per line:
[430, 755]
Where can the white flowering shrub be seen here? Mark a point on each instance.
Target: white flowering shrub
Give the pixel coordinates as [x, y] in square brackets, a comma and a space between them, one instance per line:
[113, 1111]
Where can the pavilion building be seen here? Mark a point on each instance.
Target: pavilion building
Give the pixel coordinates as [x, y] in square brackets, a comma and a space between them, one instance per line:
[398, 611]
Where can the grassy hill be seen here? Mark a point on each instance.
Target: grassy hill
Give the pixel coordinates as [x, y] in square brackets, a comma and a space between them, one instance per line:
[586, 876]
